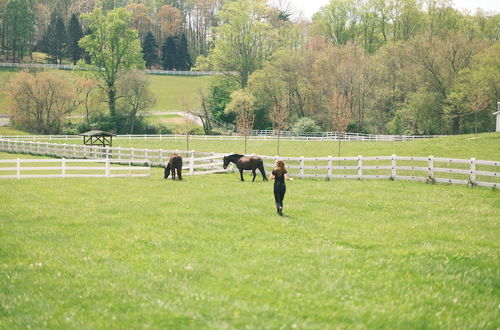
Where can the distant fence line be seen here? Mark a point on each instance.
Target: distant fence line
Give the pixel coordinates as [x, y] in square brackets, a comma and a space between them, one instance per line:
[257, 135]
[430, 169]
[73, 67]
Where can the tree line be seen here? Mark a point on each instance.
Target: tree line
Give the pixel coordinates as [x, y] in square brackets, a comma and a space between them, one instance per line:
[374, 66]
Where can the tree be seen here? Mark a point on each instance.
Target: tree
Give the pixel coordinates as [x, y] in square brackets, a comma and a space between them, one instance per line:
[133, 86]
[244, 40]
[242, 105]
[183, 60]
[113, 47]
[140, 19]
[169, 53]
[279, 117]
[39, 102]
[340, 113]
[18, 24]
[75, 33]
[169, 22]
[55, 39]
[150, 50]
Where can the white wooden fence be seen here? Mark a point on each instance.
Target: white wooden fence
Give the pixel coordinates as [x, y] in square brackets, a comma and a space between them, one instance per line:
[73, 168]
[257, 135]
[194, 162]
[431, 169]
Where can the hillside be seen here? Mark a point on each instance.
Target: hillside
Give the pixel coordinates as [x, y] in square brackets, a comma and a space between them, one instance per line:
[170, 91]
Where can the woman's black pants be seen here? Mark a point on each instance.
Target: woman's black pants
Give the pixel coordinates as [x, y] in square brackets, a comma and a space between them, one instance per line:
[279, 193]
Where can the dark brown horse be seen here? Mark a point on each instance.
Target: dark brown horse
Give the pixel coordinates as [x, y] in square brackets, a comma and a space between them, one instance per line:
[174, 164]
[246, 163]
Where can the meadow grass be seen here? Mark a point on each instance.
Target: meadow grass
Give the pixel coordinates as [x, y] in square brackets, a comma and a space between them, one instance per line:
[170, 91]
[210, 252]
[485, 146]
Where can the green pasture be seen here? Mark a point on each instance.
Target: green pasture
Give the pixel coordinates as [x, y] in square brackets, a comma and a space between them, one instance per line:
[210, 252]
[171, 92]
[485, 146]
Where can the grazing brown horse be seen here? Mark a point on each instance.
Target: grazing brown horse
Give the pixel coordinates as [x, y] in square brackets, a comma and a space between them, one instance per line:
[175, 163]
[246, 163]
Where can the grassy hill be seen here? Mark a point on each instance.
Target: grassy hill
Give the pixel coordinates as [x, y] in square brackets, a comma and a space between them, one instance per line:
[170, 91]
[211, 252]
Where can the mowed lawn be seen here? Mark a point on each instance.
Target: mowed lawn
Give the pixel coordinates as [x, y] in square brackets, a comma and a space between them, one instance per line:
[210, 252]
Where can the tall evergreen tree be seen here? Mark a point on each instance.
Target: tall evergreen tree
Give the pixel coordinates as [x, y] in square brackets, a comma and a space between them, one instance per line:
[150, 50]
[169, 53]
[75, 33]
[54, 40]
[183, 60]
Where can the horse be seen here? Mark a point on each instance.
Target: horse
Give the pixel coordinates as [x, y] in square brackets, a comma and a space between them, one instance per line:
[174, 163]
[246, 163]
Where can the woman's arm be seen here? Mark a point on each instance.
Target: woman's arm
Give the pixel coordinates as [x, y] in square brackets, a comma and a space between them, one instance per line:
[287, 177]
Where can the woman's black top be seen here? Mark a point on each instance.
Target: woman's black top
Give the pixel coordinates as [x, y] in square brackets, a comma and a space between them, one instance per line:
[279, 178]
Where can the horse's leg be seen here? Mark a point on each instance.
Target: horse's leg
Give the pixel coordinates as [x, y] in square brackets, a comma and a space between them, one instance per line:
[173, 172]
[166, 173]
[254, 175]
[263, 172]
[179, 172]
[241, 174]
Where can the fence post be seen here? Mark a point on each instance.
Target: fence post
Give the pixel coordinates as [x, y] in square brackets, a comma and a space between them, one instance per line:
[393, 166]
[132, 153]
[360, 167]
[329, 167]
[161, 157]
[191, 163]
[18, 169]
[301, 166]
[107, 152]
[107, 167]
[430, 171]
[63, 167]
[473, 171]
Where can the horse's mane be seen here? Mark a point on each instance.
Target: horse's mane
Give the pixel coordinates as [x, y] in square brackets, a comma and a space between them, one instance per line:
[236, 155]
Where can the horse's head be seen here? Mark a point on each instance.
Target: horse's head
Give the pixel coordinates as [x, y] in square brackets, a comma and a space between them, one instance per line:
[226, 162]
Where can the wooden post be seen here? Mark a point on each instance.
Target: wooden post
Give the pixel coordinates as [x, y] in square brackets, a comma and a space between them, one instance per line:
[360, 167]
[18, 168]
[63, 167]
[107, 167]
[301, 166]
[393, 166]
[191, 163]
[473, 171]
[329, 168]
[430, 170]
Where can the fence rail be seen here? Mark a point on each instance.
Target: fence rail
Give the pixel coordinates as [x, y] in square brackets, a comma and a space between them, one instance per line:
[73, 168]
[431, 169]
[258, 136]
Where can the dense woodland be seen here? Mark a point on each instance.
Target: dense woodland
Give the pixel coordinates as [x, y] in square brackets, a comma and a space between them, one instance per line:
[377, 66]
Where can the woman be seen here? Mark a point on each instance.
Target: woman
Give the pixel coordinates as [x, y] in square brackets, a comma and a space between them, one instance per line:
[279, 176]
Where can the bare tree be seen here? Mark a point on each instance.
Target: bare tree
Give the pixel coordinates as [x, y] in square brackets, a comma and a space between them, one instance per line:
[204, 113]
[478, 103]
[279, 117]
[133, 86]
[340, 113]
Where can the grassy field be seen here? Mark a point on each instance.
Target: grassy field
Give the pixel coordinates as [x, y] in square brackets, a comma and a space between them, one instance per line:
[484, 146]
[210, 252]
[170, 91]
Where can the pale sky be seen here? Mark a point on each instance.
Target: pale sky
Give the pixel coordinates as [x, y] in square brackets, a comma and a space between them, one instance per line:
[309, 7]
